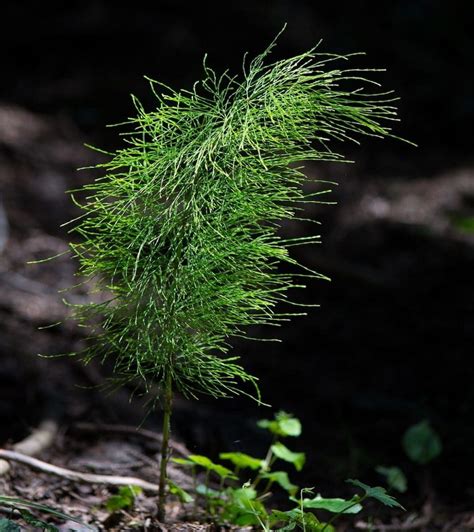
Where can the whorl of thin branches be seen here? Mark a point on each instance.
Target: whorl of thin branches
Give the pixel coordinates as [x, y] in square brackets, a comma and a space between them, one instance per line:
[182, 226]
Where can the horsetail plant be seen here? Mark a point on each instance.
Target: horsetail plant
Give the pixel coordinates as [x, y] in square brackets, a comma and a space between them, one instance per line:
[182, 228]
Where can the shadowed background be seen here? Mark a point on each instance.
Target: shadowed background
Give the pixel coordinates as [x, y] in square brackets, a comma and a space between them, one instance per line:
[392, 341]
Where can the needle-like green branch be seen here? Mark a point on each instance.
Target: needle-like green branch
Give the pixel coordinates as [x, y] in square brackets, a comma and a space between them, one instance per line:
[182, 227]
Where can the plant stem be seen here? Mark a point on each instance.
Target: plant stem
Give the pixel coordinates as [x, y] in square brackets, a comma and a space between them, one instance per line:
[167, 406]
[195, 503]
[208, 499]
[266, 464]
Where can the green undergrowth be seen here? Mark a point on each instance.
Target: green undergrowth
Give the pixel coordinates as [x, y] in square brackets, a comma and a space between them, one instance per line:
[243, 490]
[240, 489]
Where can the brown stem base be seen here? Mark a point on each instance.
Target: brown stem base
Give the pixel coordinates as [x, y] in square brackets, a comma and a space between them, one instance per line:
[167, 406]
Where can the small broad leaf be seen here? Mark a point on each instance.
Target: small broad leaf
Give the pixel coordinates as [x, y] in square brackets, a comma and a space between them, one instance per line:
[247, 518]
[208, 464]
[124, 499]
[395, 477]
[378, 493]
[244, 494]
[290, 426]
[183, 461]
[6, 525]
[244, 509]
[202, 461]
[282, 452]
[335, 505]
[183, 495]
[223, 472]
[242, 460]
[281, 478]
[421, 443]
[284, 424]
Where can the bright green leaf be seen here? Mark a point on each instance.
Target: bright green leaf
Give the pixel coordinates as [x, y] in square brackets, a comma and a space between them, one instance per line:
[116, 502]
[242, 460]
[202, 461]
[252, 513]
[395, 477]
[132, 491]
[244, 509]
[284, 424]
[290, 426]
[223, 472]
[206, 491]
[183, 495]
[378, 493]
[421, 443]
[334, 505]
[281, 478]
[247, 518]
[244, 494]
[282, 452]
[124, 499]
[208, 464]
[183, 461]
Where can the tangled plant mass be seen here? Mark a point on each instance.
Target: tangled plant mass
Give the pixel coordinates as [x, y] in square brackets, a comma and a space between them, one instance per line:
[182, 228]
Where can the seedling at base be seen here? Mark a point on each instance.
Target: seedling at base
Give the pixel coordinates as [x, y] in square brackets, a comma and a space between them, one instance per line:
[229, 500]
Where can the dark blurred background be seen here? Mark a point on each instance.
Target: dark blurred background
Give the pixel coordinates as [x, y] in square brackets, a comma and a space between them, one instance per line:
[392, 342]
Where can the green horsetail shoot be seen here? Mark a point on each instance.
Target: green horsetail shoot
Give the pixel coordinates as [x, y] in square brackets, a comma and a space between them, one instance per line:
[182, 227]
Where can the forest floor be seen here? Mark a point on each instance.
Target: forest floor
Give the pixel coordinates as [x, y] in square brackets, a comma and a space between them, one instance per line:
[390, 346]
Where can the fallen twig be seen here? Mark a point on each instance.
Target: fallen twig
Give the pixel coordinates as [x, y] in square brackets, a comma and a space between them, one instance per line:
[40, 439]
[110, 480]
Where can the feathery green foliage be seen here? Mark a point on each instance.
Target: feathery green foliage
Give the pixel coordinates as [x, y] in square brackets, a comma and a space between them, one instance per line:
[183, 226]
